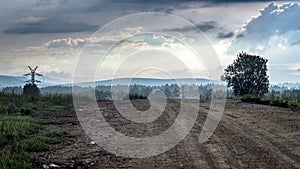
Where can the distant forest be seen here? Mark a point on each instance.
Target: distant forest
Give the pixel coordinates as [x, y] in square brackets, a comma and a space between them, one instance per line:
[171, 91]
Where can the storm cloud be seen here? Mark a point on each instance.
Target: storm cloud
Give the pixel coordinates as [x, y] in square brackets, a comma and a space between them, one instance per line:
[47, 25]
[223, 35]
[204, 27]
[277, 26]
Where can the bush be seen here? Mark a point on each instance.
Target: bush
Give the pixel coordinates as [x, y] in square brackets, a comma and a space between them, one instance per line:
[280, 103]
[251, 99]
[9, 108]
[136, 96]
[26, 112]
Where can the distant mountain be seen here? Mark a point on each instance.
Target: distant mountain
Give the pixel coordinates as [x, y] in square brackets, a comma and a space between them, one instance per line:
[10, 81]
[290, 85]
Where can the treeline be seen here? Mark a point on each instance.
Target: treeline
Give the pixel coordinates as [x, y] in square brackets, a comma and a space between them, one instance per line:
[172, 91]
[286, 98]
[62, 95]
[135, 91]
[43, 90]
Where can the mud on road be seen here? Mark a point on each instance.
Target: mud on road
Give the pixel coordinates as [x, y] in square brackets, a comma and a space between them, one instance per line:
[248, 136]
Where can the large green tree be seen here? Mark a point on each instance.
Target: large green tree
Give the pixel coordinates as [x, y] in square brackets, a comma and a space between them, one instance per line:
[247, 75]
[31, 90]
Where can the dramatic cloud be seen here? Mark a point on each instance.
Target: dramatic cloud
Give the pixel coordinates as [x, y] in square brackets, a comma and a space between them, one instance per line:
[204, 26]
[273, 34]
[276, 19]
[67, 25]
[222, 35]
[31, 25]
[276, 26]
[30, 20]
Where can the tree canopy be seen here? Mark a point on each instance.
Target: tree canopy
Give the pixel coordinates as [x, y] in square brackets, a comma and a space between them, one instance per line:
[31, 90]
[247, 75]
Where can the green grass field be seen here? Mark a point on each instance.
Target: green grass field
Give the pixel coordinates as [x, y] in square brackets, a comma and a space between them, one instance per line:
[19, 130]
[19, 137]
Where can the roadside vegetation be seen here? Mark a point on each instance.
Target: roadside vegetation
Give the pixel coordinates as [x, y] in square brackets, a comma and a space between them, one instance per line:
[23, 105]
[278, 101]
[19, 129]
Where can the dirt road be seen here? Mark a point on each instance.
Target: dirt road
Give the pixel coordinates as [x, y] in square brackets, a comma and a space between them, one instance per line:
[248, 136]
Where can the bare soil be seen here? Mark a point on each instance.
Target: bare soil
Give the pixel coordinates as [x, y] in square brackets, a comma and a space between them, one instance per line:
[248, 136]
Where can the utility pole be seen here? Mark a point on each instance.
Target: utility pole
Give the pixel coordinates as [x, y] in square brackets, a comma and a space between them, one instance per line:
[33, 73]
[31, 88]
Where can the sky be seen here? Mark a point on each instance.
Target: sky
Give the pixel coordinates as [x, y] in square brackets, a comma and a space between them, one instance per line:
[61, 35]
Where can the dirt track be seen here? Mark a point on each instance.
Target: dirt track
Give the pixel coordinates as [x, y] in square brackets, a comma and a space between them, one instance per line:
[248, 136]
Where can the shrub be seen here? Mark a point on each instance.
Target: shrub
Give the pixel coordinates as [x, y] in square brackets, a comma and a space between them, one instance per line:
[251, 99]
[26, 112]
[280, 103]
[9, 108]
[136, 96]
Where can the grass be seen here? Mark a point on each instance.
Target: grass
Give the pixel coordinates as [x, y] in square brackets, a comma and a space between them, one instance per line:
[18, 129]
[17, 156]
[14, 161]
[50, 120]
[45, 105]
[18, 139]
[11, 104]
[59, 107]
[38, 143]
[15, 127]
[41, 143]
[59, 134]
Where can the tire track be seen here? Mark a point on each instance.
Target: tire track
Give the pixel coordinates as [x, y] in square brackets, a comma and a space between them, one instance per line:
[263, 145]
